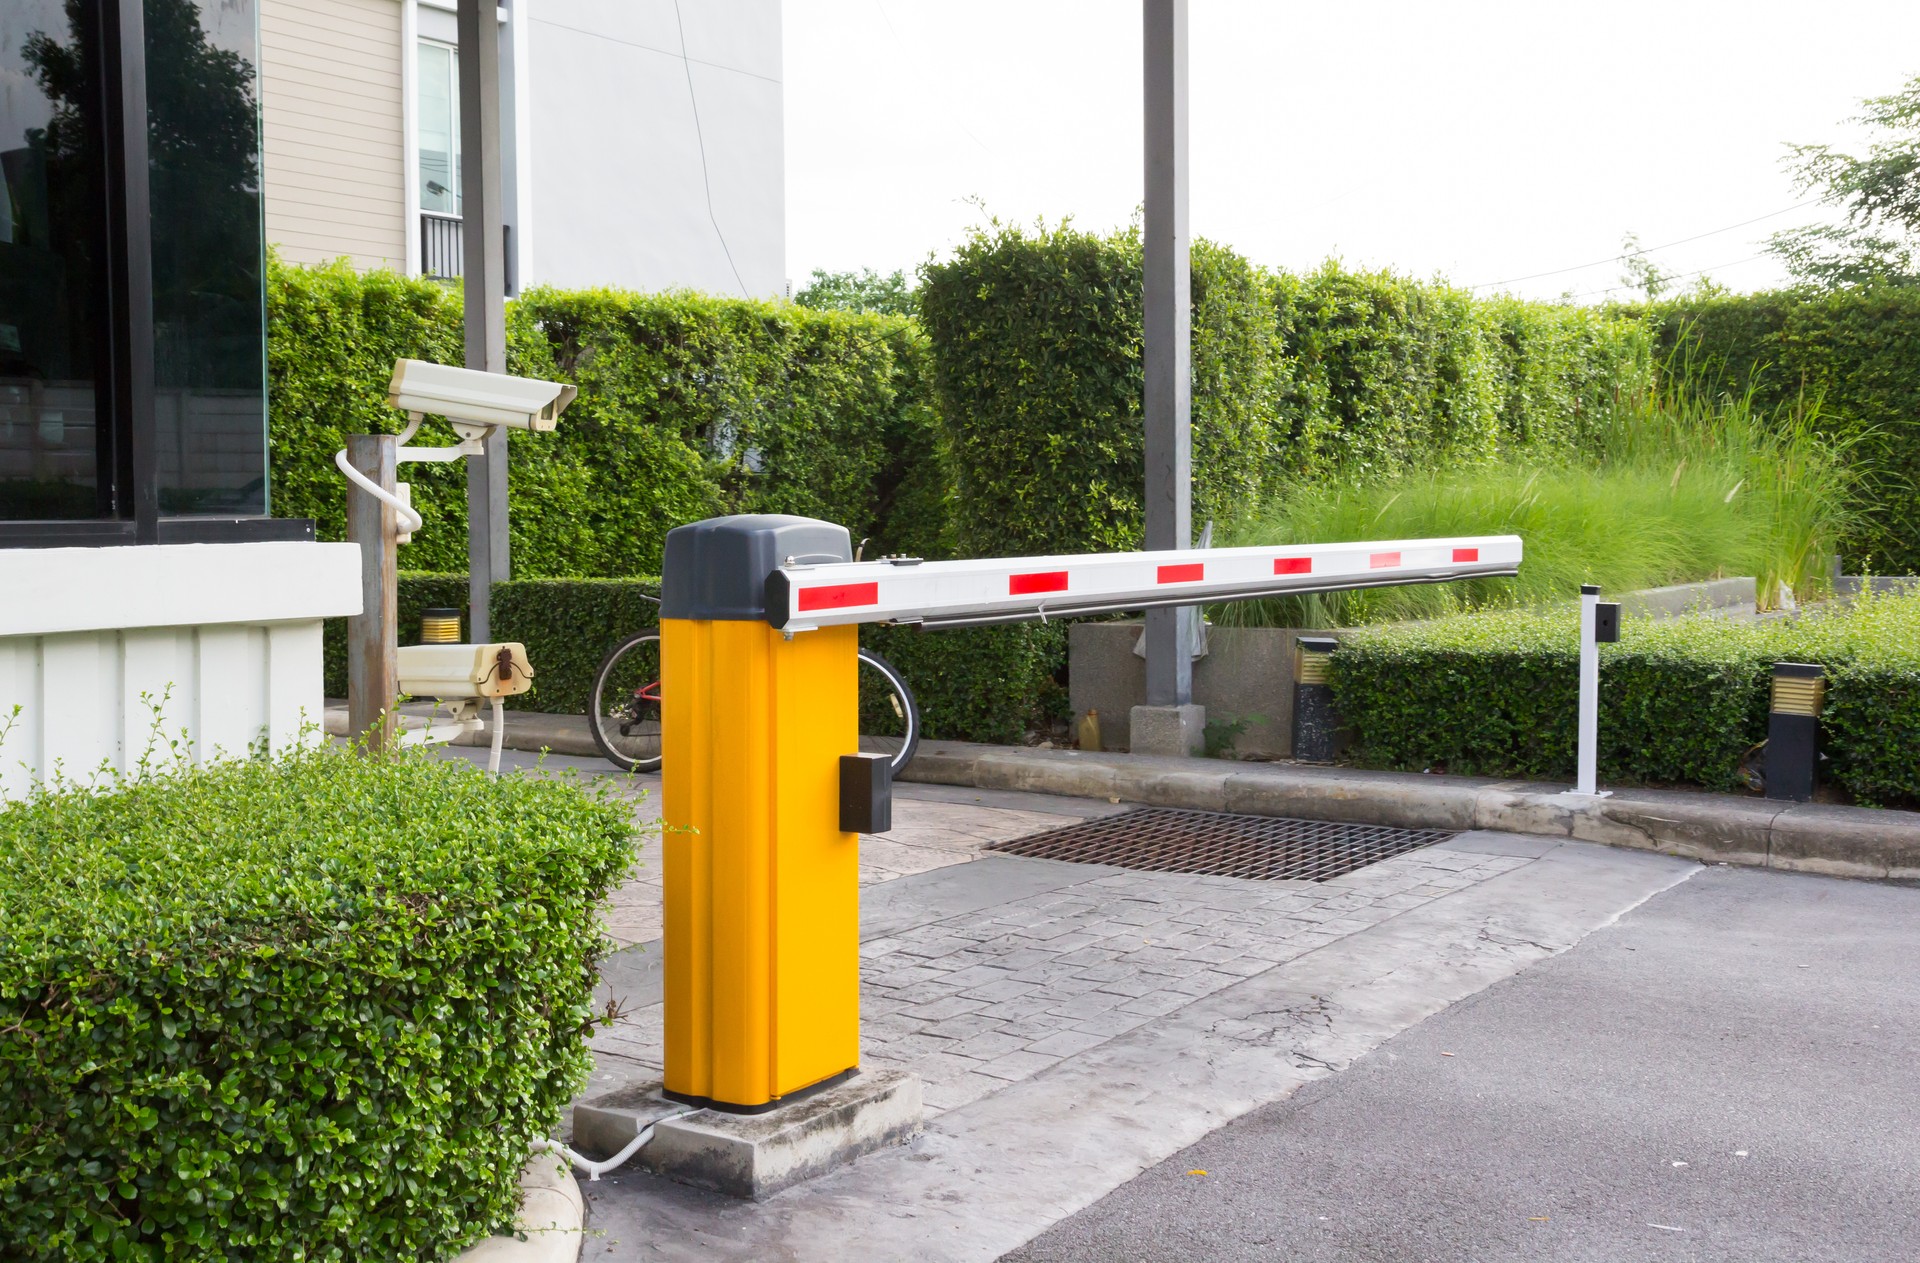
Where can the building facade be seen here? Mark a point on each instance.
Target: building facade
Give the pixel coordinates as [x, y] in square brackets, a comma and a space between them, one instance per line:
[642, 140]
[149, 606]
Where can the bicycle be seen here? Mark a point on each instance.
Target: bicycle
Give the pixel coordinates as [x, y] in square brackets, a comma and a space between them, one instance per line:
[625, 707]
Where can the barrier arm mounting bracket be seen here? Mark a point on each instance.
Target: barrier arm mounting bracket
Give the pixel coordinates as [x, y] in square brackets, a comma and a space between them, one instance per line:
[936, 594]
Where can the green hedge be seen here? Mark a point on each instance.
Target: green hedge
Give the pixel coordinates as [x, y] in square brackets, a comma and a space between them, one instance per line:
[1857, 350]
[1682, 699]
[307, 1009]
[991, 684]
[1036, 341]
[689, 407]
[1036, 344]
[973, 684]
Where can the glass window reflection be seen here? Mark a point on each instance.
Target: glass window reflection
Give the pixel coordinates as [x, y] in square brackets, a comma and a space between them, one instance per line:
[208, 256]
[53, 447]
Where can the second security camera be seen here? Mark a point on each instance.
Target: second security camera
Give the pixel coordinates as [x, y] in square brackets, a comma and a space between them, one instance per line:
[475, 401]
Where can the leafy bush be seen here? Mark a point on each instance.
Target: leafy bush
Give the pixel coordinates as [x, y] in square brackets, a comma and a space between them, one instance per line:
[1036, 346]
[1857, 351]
[307, 1009]
[1495, 694]
[1036, 342]
[987, 684]
[689, 407]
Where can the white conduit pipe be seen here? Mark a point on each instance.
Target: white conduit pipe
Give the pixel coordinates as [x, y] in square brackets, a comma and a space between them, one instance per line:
[499, 734]
[409, 520]
[594, 1170]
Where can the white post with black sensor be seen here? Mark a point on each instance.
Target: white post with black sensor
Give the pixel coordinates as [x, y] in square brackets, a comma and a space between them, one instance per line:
[1599, 625]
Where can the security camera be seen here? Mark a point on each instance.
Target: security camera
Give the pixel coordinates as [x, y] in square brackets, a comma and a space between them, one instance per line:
[465, 672]
[475, 401]
[464, 676]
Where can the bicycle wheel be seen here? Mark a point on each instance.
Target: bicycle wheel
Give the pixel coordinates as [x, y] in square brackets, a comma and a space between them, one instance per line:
[625, 714]
[889, 717]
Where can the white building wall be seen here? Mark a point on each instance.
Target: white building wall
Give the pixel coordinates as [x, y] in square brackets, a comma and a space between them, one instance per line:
[112, 654]
[657, 138]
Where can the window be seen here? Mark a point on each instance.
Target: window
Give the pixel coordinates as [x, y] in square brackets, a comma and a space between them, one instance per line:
[56, 459]
[132, 322]
[439, 173]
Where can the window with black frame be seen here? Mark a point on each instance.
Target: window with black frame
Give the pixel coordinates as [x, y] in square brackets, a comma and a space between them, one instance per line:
[132, 273]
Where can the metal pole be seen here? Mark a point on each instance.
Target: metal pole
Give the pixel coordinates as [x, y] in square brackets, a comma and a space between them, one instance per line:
[1167, 335]
[373, 672]
[484, 276]
[1589, 692]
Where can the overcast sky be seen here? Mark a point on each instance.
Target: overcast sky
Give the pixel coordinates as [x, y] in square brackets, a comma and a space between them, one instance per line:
[1478, 141]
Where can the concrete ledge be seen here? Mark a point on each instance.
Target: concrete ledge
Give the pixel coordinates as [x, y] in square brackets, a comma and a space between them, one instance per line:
[552, 1218]
[1718, 828]
[754, 1156]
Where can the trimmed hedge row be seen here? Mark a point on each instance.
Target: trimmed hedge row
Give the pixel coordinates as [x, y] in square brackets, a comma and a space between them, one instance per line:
[973, 684]
[307, 1009]
[1036, 359]
[689, 407]
[1382, 372]
[1858, 350]
[1036, 344]
[1682, 700]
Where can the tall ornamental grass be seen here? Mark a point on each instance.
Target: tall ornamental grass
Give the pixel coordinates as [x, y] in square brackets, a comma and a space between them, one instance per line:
[1675, 489]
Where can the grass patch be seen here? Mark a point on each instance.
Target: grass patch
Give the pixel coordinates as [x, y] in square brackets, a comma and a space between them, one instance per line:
[1677, 488]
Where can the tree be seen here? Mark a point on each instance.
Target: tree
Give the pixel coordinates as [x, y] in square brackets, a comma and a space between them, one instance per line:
[1879, 241]
[865, 290]
[1638, 272]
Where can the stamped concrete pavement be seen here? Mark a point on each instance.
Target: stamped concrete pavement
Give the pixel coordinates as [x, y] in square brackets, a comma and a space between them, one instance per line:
[1077, 1024]
[1729, 1073]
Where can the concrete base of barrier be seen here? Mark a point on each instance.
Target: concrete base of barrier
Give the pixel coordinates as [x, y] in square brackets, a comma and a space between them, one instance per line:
[1175, 731]
[755, 1155]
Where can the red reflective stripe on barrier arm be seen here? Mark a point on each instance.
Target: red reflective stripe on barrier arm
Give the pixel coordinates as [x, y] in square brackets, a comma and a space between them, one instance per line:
[1466, 554]
[1044, 581]
[839, 596]
[1192, 572]
[1383, 561]
[1293, 565]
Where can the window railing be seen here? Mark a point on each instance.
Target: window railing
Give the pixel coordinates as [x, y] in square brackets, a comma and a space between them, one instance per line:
[440, 246]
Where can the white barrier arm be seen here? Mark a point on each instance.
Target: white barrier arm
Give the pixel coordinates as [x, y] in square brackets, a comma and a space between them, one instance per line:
[801, 597]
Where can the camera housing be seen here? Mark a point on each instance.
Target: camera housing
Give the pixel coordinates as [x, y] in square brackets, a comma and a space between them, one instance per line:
[475, 401]
[456, 673]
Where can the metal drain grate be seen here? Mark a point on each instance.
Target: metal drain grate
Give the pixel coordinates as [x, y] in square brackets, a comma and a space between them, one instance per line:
[1162, 840]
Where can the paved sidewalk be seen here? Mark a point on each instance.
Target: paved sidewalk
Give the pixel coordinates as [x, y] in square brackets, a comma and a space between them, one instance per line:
[1077, 1024]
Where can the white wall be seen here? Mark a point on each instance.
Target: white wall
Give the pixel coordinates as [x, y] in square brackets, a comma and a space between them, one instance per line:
[110, 653]
[620, 171]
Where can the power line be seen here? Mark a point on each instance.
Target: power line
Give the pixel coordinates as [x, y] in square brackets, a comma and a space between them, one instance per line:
[1634, 254]
[1611, 289]
[700, 137]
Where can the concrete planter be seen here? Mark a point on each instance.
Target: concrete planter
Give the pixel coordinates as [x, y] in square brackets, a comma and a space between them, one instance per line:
[1247, 676]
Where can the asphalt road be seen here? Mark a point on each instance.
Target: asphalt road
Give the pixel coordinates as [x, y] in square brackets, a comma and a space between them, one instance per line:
[1731, 1072]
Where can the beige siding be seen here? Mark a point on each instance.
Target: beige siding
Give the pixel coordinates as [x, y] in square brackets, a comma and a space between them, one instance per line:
[334, 130]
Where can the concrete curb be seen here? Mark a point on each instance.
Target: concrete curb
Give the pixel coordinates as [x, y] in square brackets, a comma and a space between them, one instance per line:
[552, 1218]
[1721, 828]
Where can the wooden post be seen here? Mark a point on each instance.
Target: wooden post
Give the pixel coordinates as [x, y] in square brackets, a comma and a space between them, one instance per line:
[373, 674]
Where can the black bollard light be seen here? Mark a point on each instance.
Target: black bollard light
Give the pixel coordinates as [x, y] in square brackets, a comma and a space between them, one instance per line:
[1316, 728]
[1793, 729]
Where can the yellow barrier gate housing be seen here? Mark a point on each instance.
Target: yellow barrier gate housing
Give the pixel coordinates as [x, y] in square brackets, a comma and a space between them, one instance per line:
[760, 708]
[762, 950]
